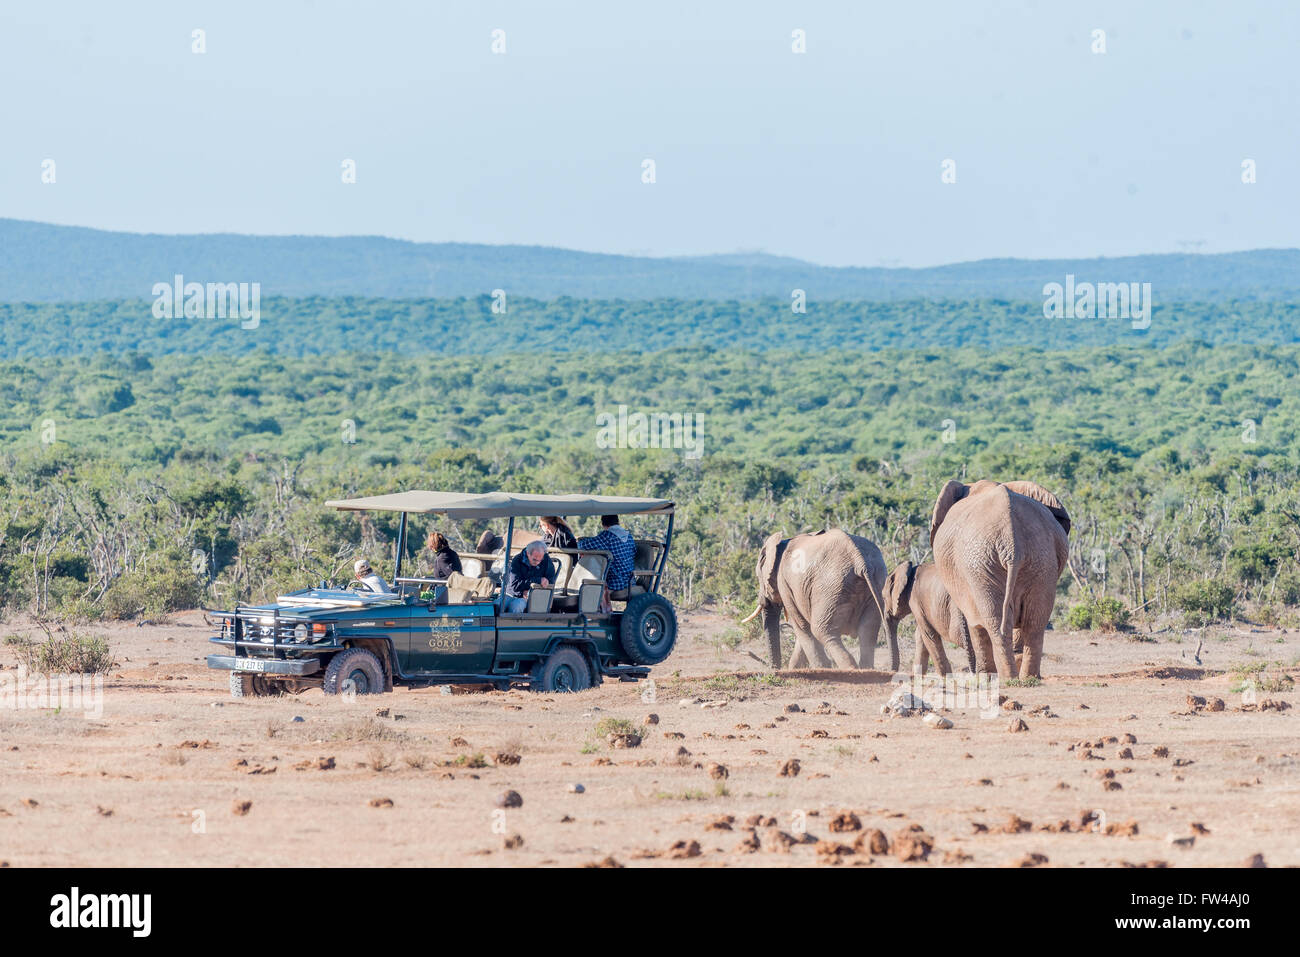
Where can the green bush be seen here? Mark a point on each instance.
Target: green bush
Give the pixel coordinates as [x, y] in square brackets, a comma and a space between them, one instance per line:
[70, 653]
[1204, 601]
[1105, 613]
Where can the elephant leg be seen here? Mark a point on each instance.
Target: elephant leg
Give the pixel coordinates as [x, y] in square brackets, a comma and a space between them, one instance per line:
[868, 633]
[799, 657]
[808, 652]
[839, 654]
[1034, 623]
[988, 649]
[921, 660]
[940, 654]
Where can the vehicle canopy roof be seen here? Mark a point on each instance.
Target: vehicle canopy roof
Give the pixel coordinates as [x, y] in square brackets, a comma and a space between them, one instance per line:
[458, 505]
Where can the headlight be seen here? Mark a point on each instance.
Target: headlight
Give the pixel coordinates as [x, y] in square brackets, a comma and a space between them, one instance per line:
[300, 632]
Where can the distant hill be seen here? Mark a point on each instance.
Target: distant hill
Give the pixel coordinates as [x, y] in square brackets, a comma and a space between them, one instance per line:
[48, 263]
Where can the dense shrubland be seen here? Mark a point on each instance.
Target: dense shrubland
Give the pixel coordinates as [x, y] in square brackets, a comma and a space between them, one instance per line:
[135, 486]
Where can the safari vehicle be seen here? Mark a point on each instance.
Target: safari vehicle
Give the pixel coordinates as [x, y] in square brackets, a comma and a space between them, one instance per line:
[434, 631]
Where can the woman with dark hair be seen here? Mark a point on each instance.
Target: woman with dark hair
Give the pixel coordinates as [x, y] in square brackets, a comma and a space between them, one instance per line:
[557, 532]
[445, 560]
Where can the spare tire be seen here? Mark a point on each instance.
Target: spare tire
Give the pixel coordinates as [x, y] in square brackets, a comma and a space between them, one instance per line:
[648, 631]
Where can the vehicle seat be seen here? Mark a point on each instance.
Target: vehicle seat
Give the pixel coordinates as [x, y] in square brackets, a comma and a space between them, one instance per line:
[589, 598]
[471, 567]
[539, 601]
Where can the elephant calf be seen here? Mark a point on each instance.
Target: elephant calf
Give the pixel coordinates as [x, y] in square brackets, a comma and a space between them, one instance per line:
[918, 590]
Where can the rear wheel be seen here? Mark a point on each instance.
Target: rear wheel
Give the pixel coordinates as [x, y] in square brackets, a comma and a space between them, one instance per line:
[566, 670]
[648, 631]
[355, 671]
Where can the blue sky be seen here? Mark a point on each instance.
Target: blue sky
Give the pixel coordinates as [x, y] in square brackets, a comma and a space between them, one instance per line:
[832, 156]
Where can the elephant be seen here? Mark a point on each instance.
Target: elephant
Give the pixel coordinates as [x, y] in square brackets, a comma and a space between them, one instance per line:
[829, 584]
[918, 590]
[1000, 549]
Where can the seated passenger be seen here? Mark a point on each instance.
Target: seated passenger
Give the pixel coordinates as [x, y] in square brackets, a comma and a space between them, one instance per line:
[557, 533]
[366, 575]
[530, 568]
[444, 560]
[618, 541]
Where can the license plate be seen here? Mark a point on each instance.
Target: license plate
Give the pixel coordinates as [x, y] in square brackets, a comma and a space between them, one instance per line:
[249, 664]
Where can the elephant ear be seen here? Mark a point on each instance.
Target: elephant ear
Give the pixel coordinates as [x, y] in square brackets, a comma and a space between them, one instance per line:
[951, 493]
[769, 560]
[1043, 496]
[896, 586]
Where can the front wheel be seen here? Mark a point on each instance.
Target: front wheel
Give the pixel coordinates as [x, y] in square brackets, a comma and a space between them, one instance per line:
[648, 631]
[566, 670]
[355, 671]
[244, 685]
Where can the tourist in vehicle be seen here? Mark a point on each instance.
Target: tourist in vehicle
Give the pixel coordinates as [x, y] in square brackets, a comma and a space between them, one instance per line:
[444, 560]
[366, 575]
[529, 569]
[618, 541]
[557, 533]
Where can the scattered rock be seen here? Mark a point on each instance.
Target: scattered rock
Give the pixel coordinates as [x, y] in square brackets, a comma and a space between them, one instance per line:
[506, 758]
[650, 719]
[937, 721]
[721, 823]
[1125, 754]
[833, 849]
[674, 735]
[1033, 859]
[459, 742]
[510, 799]
[790, 769]
[688, 702]
[623, 740]
[1185, 843]
[1160, 751]
[778, 841]
[749, 844]
[576, 788]
[1016, 725]
[240, 808]
[1128, 829]
[872, 841]
[1216, 704]
[380, 802]
[718, 772]
[845, 821]
[1255, 860]
[793, 709]
[1199, 828]
[1112, 786]
[513, 842]
[604, 862]
[1015, 824]
[909, 845]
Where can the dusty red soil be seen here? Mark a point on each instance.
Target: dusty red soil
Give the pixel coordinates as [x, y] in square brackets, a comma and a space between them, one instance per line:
[177, 773]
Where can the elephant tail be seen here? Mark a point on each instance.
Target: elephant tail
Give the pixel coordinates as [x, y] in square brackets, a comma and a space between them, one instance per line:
[1008, 623]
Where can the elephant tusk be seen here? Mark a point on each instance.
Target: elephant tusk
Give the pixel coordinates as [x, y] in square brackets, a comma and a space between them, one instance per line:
[752, 616]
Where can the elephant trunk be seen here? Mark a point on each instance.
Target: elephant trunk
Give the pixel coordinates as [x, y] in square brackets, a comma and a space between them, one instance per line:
[772, 625]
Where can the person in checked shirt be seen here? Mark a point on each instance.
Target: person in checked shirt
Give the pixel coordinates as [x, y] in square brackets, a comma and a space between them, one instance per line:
[618, 541]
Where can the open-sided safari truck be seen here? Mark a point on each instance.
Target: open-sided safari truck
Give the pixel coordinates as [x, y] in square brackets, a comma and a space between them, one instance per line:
[435, 631]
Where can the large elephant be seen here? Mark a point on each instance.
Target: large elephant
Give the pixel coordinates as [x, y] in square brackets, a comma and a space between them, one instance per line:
[918, 590]
[829, 584]
[1000, 549]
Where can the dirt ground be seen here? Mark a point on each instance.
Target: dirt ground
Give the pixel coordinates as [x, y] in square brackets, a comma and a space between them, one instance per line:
[176, 773]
